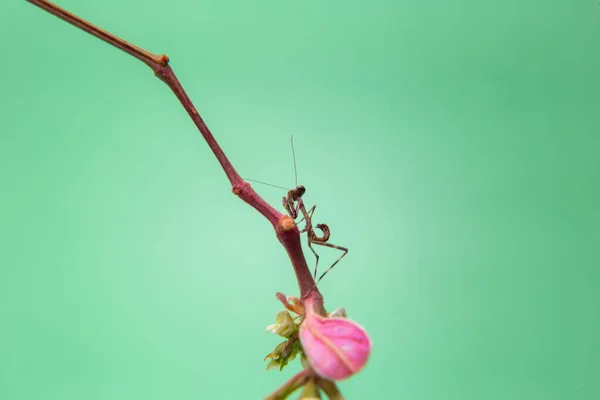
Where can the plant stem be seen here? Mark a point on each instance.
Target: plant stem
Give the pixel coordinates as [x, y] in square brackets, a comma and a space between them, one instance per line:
[330, 389]
[285, 228]
[291, 385]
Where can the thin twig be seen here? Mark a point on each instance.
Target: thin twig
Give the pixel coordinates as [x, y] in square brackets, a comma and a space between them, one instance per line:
[287, 232]
[150, 59]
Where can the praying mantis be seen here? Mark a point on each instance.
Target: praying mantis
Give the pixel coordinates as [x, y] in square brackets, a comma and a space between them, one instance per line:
[294, 206]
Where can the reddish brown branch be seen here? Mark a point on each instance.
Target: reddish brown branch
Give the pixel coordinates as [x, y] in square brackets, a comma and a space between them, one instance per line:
[148, 58]
[300, 379]
[291, 385]
[285, 228]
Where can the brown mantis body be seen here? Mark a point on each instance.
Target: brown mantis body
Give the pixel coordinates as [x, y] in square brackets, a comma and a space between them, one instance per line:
[294, 206]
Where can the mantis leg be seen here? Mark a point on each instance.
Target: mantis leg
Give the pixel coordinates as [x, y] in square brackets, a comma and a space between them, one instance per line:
[333, 246]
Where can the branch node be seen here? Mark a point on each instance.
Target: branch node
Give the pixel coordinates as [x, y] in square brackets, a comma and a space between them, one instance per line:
[239, 186]
[286, 223]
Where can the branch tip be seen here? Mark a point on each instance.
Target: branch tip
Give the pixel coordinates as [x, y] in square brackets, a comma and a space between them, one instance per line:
[163, 59]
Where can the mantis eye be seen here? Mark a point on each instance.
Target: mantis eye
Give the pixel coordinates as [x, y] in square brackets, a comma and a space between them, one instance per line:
[301, 189]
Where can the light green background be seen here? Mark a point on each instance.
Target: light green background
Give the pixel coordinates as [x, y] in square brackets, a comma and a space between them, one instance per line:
[453, 146]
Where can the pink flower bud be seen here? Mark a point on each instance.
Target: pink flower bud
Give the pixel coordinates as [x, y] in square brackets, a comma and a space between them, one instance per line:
[336, 348]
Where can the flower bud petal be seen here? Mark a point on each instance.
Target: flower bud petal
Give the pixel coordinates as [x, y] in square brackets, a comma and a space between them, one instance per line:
[336, 348]
[287, 326]
[273, 364]
[338, 312]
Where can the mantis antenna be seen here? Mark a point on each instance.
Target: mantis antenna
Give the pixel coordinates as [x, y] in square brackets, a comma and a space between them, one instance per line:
[268, 184]
[294, 156]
